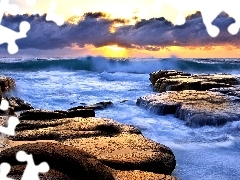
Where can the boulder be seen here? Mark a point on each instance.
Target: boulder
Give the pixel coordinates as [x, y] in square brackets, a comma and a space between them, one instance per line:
[178, 81]
[128, 152]
[80, 164]
[6, 84]
[197, 108]
[71, 162]
[119, 146]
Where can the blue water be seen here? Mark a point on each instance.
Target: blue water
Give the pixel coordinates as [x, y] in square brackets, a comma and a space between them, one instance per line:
[202, 153]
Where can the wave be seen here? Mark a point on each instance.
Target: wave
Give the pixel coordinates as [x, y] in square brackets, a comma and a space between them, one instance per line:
[129, 65]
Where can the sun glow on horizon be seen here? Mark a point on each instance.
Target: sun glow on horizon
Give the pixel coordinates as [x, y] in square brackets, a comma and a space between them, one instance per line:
[113, 51]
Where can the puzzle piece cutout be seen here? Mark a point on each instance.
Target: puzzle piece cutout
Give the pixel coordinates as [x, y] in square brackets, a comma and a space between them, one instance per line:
[4, 170]
[52, 16]
[210, 9]
[31, 171]
[30, 2]
[12, 121]
[9, 8]
[76, 11]
[7, 35]
[10, 129]
[4, 105]
[57, 18]
[231, 7]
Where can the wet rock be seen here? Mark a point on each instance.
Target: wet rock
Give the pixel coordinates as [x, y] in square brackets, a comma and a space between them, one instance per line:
[6, 84]
[38, 114]
[69, 161]
[154, 76]
[97, 106]
[81, 113]
[197, 108]
[177, 81]
[85, 112]
[18, 104]
[119, 146]
[102, 105]
[123, 101]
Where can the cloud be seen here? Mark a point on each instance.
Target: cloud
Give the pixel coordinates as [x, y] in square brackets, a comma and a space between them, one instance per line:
[152, 34]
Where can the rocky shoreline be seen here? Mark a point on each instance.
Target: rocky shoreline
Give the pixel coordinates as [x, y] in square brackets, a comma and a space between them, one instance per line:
[81, 145]
[77, 144]
[199, 100]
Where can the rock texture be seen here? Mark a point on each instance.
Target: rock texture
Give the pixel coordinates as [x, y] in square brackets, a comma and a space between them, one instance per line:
[197, 108]
[69, 163]
[177, 81]
[140, 175]
[6, 84]
[200, 99]
[154, 76]
[61, 129]
[18, 104]
[119, 146]
[231, 91]
[39, 114]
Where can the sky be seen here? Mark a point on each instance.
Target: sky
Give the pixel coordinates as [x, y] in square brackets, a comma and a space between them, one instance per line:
[118, 28]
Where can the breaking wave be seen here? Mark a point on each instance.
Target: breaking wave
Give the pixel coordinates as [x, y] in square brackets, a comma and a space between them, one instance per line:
[129, 65]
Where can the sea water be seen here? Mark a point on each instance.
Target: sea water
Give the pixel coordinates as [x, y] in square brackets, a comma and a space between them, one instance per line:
[204, 153]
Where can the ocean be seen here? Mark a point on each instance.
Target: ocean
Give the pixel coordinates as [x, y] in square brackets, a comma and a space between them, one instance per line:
[204, 153]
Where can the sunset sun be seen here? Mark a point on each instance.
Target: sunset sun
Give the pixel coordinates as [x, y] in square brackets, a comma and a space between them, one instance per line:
[114, 51]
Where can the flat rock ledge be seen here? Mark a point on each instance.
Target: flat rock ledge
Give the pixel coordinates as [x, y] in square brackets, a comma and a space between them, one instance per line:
[231, 91]
[197, 108]
[119, 150]
[171, 80]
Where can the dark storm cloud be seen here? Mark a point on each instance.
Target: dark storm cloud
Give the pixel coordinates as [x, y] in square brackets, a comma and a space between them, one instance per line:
[145, 34]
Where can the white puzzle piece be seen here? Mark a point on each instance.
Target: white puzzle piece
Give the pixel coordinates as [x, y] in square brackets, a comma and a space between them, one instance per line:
[7, 35]
[4, 170]
[30, 2]
[12, 121]
[210, 9]
[52, 16]
[10, 129]
[31, 171]
[9, 8]
[4, 105]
